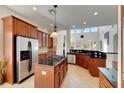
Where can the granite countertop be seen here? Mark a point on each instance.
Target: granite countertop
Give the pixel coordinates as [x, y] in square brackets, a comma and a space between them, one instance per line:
[53, 61]
[110, 75]
[72, 53]
[87, 54]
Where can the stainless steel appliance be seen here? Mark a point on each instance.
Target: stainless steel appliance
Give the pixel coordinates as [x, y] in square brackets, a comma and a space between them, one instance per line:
[71, 58]
[26, 57]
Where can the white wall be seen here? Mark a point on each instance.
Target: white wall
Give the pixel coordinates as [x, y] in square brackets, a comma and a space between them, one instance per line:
[89, 37]
[97, 36]
[112, 29]
[60, 41]
[4, 11]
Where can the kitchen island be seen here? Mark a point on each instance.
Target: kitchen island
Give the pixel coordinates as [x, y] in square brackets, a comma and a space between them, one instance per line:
[51, 72]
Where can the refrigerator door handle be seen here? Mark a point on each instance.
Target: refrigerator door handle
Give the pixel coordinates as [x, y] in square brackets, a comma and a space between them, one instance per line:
[30, 56]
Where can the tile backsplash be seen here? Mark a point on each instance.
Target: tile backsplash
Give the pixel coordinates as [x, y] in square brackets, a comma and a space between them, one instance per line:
[43, 50]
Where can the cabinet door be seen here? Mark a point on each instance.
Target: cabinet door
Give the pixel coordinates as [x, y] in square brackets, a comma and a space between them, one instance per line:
[43, 40]
[65, 69]
[39, 39]
[77, 60]
[41, 34]
[61, 73]
[42, 58]
[32, 32]
[57, 79]
[50, 42]
[20, 27]
[66, 65]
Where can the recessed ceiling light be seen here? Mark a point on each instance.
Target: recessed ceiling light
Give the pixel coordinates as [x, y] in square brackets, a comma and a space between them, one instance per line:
[51, 24]
[73, 26]
[84, 23]
[34, 8]
[96, 13]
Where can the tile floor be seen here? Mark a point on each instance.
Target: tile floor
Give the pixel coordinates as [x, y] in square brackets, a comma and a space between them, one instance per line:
[76, 77]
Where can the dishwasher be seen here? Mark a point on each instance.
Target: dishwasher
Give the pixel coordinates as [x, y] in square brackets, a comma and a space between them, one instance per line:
[71, 58]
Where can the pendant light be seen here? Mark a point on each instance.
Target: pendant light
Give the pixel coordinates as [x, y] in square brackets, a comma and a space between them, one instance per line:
[54, 34]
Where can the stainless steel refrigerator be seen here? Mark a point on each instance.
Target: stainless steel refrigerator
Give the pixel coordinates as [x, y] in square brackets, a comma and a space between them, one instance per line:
[26, 57]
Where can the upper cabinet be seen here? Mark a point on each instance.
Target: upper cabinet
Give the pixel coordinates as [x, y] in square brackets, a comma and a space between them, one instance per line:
[42, 39]
[21, 27]
[50, 42]
[39, 38]
[24, 29]
[32, 32]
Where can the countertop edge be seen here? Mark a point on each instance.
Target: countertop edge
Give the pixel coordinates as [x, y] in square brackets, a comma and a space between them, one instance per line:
[100, 69]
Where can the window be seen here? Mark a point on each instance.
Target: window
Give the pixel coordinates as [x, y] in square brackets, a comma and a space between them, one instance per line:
[93, 29]
[86, 30]
[73, 31]
[78, 30]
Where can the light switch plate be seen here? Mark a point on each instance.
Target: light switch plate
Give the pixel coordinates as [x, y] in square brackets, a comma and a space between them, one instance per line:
[43, 72]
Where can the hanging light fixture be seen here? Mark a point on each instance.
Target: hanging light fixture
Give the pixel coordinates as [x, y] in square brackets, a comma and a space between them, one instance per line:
[54, 34]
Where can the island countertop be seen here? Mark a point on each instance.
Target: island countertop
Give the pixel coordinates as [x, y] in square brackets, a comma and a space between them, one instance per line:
[53, 61]
[110, 75]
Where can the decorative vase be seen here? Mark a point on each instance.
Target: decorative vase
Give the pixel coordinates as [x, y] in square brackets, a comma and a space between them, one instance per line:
[4, 76]
[1, 77]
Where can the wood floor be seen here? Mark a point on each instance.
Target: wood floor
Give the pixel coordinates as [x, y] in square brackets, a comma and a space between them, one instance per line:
[76, 77]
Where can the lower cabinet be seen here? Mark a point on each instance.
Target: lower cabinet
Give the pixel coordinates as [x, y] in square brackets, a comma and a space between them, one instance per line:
[61, 73]
[94, 63]
[50, 76]
[42, 58]
[57, 79]
[82, 60]
[90, 63]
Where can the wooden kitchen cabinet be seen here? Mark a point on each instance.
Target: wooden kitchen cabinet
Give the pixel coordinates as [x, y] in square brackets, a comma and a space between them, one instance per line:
[65, 66]
[39, 39]
[42, 39]
[21, 27]
[12, 26]
[50, 42]
[82, 60]
[57, 79]
[42, 58]
[44, 42]
[94, 63]
[24, 29]
[61, 73]
[90, 63]
[53, 77]
[32, 32]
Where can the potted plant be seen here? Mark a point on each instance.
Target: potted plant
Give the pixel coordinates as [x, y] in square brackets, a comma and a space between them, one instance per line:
[3, 64]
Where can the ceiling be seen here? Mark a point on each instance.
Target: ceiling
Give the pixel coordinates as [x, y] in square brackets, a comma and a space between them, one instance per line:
[69, 15]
